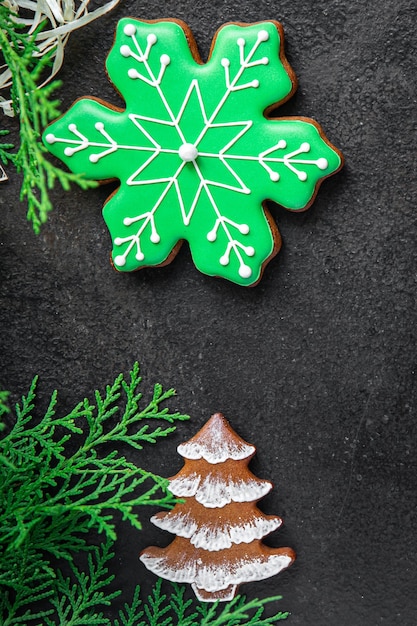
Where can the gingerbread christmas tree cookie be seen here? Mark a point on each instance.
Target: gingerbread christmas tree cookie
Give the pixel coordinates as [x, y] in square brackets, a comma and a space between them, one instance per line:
[219, 528]
[194, 151]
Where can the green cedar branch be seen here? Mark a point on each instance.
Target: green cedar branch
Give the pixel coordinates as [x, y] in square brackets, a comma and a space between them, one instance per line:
[35, 108]
[43, 481]
[59, 482]
[173, 609]
[82, 596]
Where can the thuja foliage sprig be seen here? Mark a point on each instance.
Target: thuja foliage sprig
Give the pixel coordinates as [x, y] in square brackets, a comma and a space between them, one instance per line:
[83, 598]
[161, 609]
[34, 106]
[4, 406]
[63, 477]
[44, 482]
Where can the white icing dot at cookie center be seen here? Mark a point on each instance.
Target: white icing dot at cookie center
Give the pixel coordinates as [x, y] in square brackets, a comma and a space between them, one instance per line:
[188, 152]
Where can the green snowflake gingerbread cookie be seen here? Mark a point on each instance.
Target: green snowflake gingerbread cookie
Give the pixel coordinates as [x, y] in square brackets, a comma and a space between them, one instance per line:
[193, 150]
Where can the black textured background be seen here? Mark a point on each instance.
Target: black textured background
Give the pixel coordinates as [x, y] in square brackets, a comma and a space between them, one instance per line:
[315, 365]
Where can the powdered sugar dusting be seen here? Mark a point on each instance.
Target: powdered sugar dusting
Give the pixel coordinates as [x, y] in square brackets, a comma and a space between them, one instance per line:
[216, 442]
[177, 522]
[219, 575]
[220, 537]
[184, 486]
[216, 490]
[213, 536]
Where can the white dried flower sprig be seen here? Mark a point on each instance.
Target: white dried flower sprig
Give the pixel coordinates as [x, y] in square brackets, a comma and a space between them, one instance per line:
[61, 17]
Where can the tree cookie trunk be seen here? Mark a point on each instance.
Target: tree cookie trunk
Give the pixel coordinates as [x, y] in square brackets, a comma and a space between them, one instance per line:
[223, 595]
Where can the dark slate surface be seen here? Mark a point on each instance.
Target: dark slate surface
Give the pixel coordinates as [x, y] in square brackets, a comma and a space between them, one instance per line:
[316, 365]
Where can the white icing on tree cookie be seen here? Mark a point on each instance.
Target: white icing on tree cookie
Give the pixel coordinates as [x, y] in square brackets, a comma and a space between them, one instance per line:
[219, 527]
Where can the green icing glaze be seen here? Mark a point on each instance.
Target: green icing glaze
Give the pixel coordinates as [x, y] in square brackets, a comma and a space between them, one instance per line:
[195, 155]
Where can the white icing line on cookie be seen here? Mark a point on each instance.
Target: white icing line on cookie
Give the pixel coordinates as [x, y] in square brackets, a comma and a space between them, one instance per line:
[187, 152]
